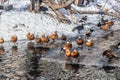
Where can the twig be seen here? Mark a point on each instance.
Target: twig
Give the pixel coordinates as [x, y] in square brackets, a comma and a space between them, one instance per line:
[96, 12]
[59, 6]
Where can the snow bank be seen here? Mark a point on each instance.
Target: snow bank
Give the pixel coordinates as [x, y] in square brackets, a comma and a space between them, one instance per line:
[19, 21]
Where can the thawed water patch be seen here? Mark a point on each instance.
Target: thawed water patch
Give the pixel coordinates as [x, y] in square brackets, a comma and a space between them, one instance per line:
[35, 61]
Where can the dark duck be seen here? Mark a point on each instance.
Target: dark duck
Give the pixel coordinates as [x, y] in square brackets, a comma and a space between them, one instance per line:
[78, 28]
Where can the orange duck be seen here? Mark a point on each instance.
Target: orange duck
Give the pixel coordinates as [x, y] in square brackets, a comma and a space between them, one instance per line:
[68, 53]
[44, 39]
[80, 41]
[109, 23]
[74, 54]
[14, 38]
[30, 36]
[104, 27]
[67, 46]
[89, 43]
[1, 40]
[53, 36]
[37, 39]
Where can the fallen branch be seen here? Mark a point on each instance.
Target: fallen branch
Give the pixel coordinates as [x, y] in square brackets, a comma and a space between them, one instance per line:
[118, 0]
[60, 16]
[96, 12]
[59, 6]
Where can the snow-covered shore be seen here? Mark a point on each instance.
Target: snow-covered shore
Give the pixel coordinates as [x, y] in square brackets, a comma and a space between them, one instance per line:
[19, 21]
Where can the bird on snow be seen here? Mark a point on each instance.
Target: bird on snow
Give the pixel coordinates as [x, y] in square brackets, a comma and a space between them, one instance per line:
[79, 28]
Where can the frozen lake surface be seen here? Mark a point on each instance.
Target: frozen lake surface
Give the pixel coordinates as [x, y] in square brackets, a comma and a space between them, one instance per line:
[31, 61]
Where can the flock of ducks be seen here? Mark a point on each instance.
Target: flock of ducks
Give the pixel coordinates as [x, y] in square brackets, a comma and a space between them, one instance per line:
[45, 39]
[105, 24]
[13, 39]
[67, 46]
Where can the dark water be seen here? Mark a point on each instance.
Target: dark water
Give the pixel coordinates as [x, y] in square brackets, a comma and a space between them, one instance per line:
[37, 62]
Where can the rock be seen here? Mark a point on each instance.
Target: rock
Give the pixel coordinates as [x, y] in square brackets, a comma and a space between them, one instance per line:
[2, 76]
[15, 64]
[100, 33]
[23, 78]
[20, 73]
[6, 7]
[41, 78]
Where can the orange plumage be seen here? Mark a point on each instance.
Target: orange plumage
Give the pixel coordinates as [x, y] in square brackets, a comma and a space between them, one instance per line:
[79, 41]
[44, 39]
[67, 45]
[109, 23]
[104, 27]
[89, 43]
[1, 40]
[14, 38]
[68, 53]
[53, 36]
[74, 54]
[30, 36]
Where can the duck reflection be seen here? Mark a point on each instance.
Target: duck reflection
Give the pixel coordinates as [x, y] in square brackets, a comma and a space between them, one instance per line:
[33, 67]
[31, 47]
[41, 49]
[35, 57]
[110, 55]
[71, 68]
[38, 50]
[35, 53]
[2, 50]
[14, 48]
[107, 69]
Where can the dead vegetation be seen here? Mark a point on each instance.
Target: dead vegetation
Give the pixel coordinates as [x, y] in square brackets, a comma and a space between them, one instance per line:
[56, 5]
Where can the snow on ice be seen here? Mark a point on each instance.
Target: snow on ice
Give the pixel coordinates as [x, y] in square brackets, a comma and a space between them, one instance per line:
[19, 21]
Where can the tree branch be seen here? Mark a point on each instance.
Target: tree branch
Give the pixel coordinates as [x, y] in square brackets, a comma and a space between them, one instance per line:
[96, 12]
[58, 6]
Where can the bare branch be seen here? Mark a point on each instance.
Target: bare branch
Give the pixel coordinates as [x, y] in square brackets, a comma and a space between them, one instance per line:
[58, 6]
[96, 12]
